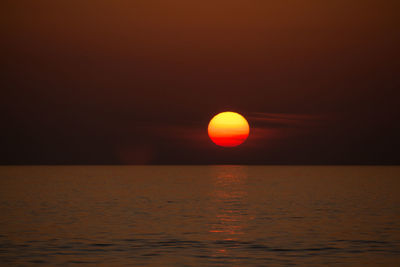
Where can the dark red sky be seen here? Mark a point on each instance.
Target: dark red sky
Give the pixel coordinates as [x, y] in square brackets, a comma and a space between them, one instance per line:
[136, 82]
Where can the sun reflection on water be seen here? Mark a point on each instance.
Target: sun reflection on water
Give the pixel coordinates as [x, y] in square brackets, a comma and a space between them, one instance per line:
[230, 207]
[229, 200]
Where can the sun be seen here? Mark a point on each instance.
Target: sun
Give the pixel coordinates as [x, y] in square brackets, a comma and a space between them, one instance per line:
[228, 129]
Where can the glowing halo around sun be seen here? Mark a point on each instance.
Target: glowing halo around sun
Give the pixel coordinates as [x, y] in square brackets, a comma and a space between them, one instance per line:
[228, 129]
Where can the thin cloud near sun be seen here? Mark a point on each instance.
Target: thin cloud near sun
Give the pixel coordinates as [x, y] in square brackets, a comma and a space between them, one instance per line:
[268, 127]
[263, 127]
[277, 120]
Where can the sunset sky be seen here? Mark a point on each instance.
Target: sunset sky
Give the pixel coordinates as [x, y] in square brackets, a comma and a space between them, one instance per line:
[137, 82]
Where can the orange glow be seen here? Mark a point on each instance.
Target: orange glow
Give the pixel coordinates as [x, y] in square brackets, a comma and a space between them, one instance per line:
[228, 129]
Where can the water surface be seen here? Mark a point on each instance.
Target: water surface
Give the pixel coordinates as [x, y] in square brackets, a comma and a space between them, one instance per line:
[200, 215]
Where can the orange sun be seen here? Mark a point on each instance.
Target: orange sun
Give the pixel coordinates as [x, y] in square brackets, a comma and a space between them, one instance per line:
[228, 129]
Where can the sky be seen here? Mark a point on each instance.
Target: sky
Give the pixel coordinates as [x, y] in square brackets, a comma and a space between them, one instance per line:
[136, 82]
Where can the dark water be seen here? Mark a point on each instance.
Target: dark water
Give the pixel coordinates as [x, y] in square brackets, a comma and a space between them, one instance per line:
[200, 216]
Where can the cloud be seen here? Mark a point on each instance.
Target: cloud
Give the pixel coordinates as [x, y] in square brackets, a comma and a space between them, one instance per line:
[266, 127]
[284, 120]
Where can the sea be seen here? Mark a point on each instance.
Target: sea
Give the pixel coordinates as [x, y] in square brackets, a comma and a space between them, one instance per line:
[217, 215]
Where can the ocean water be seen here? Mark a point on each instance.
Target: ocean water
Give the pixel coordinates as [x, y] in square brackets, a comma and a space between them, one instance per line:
[199, 216]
